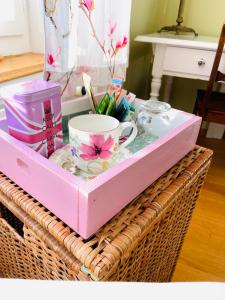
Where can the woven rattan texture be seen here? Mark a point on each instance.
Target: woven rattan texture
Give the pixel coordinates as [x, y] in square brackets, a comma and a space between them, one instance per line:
[141, 243]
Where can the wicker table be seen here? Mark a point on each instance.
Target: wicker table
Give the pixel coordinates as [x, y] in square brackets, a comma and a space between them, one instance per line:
[141, 243]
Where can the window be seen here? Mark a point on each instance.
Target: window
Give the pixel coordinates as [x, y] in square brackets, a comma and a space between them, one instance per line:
[12, 17]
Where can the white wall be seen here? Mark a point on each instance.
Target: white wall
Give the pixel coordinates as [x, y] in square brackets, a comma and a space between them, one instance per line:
[36, 25]
[32, 38]
[10, 45]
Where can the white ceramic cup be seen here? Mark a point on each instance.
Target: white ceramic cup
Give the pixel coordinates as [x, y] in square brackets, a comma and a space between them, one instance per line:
[94, 141]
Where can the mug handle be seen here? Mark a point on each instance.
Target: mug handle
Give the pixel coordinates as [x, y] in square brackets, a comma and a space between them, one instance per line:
[133, 135]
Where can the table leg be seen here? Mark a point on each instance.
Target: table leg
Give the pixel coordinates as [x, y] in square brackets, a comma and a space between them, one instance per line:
[155, 87]
[157, 70]
[168, 88]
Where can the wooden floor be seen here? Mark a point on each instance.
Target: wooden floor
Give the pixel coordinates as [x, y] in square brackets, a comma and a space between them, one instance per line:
[203, 254]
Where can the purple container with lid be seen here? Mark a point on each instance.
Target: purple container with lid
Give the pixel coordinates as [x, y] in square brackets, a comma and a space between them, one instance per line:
[33, 111]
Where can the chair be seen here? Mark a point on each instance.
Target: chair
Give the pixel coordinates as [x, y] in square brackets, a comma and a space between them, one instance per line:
[210, 105]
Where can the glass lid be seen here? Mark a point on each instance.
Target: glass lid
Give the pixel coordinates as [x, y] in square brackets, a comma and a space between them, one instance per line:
[156, 106]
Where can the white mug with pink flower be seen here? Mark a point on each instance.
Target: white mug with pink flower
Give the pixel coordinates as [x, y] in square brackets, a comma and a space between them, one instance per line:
[94, 141]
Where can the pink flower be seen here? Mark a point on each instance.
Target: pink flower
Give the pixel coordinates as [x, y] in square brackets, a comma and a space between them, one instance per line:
[121, 44]
[98, 148]
[50, 59]
[89, 4]
[125, 41]
[112, 28]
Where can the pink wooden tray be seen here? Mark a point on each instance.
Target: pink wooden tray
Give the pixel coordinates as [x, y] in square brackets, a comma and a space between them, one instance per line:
[85, 206]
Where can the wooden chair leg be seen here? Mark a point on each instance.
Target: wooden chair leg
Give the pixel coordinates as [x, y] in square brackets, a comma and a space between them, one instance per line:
[202, 132]
[196, 108]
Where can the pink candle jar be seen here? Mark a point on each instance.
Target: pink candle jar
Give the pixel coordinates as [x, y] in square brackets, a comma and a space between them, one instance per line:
[33, 111]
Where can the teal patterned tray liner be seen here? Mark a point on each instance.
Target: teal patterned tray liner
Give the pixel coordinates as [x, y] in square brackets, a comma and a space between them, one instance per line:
[140, 142]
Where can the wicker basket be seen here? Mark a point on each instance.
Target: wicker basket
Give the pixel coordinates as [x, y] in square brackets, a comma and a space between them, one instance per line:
[141, 243]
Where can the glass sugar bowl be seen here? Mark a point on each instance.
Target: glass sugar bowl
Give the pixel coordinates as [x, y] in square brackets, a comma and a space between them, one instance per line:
[154, 118]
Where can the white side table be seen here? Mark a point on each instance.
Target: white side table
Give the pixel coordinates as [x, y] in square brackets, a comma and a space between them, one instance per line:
[180, 56]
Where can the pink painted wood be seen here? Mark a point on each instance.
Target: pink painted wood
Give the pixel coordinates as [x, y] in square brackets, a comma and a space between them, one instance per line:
[86, 206]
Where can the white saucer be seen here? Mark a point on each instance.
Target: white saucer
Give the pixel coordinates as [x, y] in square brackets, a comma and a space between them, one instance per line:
[63, 158]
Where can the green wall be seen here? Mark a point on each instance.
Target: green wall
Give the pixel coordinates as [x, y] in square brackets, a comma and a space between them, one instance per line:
[205, 16]
[142, 22]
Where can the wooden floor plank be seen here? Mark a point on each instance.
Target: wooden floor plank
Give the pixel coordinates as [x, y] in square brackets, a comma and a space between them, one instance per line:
[202, 256]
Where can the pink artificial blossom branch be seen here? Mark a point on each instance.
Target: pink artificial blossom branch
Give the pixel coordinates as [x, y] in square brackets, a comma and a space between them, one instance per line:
[87, 7]
[88, 16]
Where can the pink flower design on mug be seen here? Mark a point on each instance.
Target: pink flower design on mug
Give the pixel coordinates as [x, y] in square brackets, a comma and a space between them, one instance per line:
[74, 151]
[98, 148]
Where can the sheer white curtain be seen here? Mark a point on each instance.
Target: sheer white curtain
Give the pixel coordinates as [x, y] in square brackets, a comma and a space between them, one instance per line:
[89, 36]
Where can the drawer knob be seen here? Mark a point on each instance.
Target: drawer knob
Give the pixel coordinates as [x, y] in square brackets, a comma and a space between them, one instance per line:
[201, 62]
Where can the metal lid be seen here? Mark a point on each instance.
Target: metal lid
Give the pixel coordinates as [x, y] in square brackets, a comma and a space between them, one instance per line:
[30, 91]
